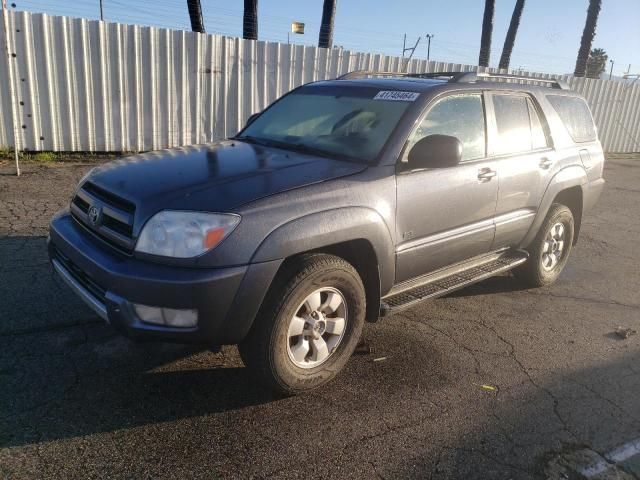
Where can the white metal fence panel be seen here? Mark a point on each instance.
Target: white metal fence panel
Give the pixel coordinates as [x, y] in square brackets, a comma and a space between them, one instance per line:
[85, 85]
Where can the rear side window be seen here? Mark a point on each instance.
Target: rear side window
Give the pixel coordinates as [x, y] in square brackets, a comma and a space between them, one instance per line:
[575, 115]
[513, 123]
[460, 116]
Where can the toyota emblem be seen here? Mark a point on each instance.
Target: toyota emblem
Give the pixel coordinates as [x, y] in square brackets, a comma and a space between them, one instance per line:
[94, 215]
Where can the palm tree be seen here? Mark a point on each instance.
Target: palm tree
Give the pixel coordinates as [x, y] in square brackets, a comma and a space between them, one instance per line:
[510, 39]
[195, 15]
[587, 37]
[487, 29]
[250, 20]
[597, 63]
[325, 39]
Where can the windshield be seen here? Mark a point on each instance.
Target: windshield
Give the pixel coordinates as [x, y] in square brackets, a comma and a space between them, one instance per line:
[342, 123]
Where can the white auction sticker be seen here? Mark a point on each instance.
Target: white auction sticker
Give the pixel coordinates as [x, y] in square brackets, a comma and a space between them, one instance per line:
[396, 96]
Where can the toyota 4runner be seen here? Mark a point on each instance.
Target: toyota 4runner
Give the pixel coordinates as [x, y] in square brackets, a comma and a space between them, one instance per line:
[342, 202]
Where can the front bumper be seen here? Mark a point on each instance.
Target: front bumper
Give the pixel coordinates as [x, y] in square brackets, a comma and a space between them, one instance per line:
[227, 299]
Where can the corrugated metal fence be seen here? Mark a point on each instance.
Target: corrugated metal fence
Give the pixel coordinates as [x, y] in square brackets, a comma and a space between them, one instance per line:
[85, 85]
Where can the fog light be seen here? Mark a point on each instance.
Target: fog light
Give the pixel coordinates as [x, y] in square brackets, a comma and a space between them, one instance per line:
[166, 316]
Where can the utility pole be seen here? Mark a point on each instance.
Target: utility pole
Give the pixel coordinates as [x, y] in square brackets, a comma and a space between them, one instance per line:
[611, 71]
[407, 49]
[101, 15]
[429, 37]
[195, 15]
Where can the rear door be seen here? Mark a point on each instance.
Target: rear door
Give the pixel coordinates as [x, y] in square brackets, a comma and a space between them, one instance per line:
[445, 215]
[519, 142]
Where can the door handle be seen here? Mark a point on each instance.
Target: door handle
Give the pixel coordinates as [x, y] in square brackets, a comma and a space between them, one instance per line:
[545, 163]
[486, 174]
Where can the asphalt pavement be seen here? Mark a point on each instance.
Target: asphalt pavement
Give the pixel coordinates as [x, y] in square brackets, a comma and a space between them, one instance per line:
[494, 381]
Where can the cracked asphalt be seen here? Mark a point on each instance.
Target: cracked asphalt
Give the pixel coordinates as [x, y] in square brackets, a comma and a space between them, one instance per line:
[491, 382]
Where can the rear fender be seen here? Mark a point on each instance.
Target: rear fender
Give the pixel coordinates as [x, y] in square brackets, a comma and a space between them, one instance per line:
[572, 176]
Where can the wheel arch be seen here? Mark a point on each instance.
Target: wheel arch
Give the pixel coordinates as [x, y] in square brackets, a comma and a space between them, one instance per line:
[572, 198]
[566, 186]
[358, 235]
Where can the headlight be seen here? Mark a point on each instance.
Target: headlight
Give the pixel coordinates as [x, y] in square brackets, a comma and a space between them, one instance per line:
[182, 234]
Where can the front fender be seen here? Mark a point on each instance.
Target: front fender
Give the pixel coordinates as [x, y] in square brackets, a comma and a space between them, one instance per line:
[330, 227]
[568, 177]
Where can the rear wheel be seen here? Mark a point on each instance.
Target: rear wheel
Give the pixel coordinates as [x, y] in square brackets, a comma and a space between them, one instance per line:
[550, 249]
[309, 325]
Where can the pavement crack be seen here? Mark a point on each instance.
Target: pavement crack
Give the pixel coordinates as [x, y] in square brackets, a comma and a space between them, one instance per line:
[583, 299]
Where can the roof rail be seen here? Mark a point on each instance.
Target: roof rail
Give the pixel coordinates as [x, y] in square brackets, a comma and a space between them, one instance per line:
[453, 76]
[552, 82]
[457, 77]
[369, 73]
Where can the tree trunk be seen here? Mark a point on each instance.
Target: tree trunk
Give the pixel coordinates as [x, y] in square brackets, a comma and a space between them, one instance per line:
[487, 29]
[510, 39]
[250, 20]
[587, 37]
[325, 39]
[195, 15]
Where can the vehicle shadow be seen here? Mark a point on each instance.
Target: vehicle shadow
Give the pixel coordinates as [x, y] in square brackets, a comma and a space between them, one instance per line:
[64, 372]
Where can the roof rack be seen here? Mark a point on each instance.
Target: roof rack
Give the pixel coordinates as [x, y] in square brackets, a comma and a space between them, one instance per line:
[456, 77]
[551, 82]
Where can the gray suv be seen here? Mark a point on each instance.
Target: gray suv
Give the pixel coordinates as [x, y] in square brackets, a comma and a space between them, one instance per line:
[344, 201]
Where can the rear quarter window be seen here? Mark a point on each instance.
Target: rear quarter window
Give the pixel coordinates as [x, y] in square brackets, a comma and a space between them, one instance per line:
[575, 115]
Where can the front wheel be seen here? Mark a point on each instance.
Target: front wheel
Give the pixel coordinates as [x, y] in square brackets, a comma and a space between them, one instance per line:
[550, 250]
[309, 325]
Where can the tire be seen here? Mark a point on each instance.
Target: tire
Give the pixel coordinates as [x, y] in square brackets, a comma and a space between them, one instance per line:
[274, 350]
[547, 257]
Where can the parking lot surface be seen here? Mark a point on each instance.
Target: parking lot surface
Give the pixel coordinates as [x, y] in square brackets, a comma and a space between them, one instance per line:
[491, 382]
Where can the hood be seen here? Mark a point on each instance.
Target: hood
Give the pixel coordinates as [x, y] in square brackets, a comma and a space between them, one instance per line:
[217, 177]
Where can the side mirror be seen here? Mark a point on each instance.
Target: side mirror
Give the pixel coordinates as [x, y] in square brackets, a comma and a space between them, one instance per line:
[435, 151]
[251, 119]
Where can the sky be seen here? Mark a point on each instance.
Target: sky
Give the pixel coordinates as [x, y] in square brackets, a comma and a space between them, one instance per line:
[548, 38]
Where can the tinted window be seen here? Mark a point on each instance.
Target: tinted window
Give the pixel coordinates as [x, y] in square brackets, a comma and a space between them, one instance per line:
[512, 121]
[460, 116]
[538, 137]
[575, 115]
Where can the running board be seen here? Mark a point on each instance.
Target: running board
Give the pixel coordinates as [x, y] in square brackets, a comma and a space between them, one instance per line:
[441, 283]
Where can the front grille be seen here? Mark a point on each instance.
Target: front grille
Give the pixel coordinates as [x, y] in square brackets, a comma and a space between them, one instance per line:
[111, 219]
[81, 277]
[109, 198]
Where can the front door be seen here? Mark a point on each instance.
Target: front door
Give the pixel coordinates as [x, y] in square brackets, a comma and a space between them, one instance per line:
[445, 215]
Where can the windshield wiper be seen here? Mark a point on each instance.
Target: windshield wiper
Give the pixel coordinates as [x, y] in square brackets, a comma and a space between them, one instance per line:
[257, 140]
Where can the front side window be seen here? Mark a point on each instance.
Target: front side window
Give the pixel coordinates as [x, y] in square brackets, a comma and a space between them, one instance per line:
[513, 124]
[348, 122]
[460, 116]
[575, 115]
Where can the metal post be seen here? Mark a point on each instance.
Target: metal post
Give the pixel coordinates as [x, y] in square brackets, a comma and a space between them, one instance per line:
[404, 45]
[101, 15]
[429, 37]
[611, 71]
[11, 86]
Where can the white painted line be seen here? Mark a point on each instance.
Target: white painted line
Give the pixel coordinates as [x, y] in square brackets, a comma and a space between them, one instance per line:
[617, 455]
[624, 452]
